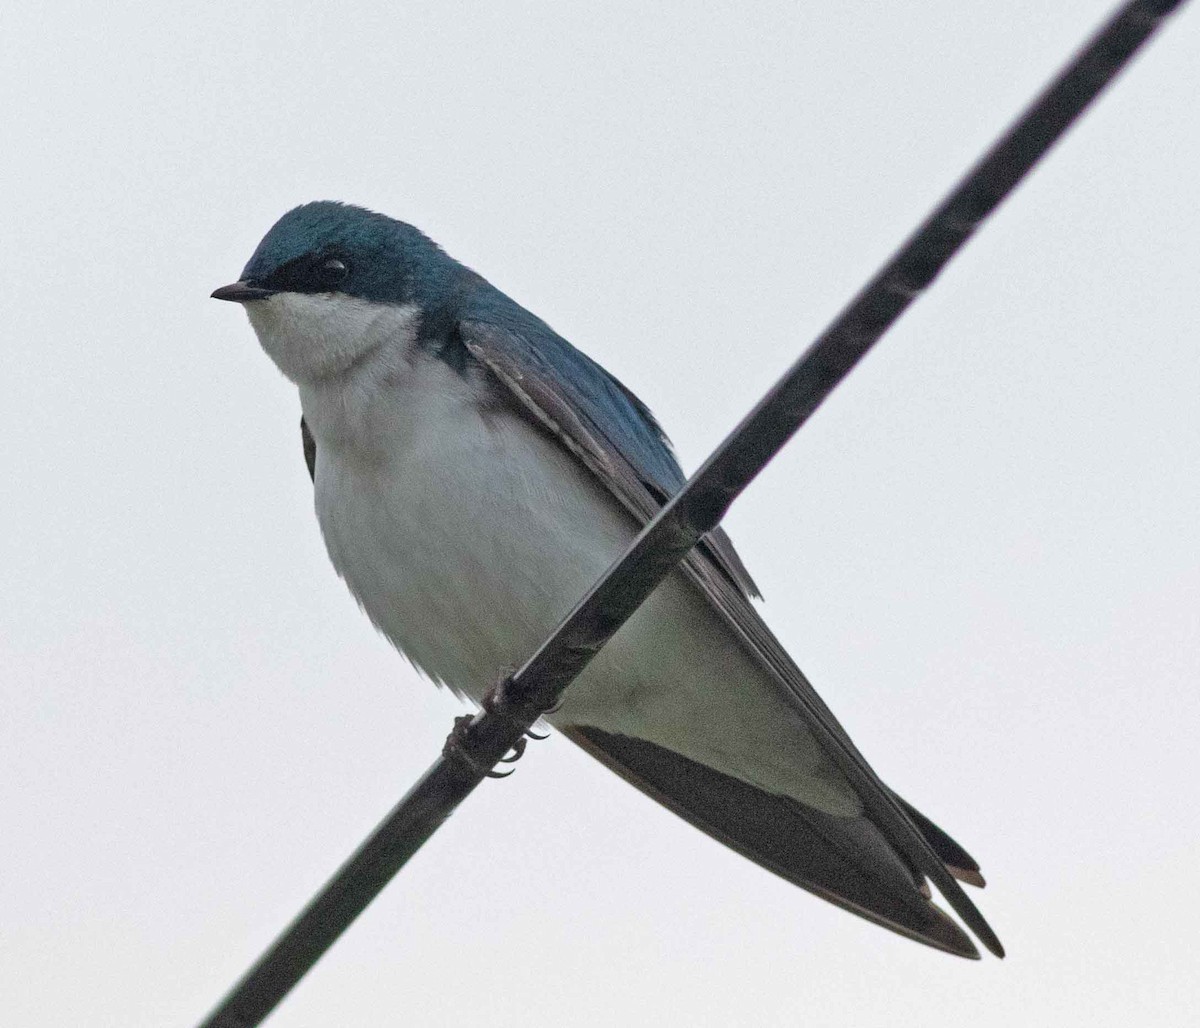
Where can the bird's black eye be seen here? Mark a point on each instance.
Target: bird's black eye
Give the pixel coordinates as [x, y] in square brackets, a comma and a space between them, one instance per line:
[311, 273]
[332, 272]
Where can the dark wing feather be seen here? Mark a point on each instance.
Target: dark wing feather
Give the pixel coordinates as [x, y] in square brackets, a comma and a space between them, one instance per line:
[552, 400]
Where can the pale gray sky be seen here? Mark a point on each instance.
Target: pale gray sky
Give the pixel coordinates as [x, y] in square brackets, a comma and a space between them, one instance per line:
[985, 550]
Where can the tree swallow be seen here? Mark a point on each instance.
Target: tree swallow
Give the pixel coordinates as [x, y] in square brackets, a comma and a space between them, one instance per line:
[474, 474]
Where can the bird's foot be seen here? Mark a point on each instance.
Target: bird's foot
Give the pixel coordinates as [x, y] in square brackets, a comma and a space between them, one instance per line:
[458, 747]
[497, 701]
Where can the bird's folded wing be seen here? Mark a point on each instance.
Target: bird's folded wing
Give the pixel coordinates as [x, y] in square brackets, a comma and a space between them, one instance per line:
[520, 365]
[608, 427]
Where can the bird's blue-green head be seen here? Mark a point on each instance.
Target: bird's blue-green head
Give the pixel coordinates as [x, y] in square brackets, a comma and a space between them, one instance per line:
[330, 281]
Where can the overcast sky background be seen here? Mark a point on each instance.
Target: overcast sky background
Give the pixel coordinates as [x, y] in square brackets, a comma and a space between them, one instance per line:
[985, 550]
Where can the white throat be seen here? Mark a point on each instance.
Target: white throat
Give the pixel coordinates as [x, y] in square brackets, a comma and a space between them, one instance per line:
[312, 337]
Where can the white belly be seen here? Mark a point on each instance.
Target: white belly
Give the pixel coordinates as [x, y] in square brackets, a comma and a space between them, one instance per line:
[466, 535]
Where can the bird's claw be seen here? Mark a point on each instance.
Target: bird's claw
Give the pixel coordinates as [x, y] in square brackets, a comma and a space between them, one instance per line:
[514, 754]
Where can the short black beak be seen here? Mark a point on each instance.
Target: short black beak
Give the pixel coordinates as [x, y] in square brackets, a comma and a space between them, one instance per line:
[241, 292]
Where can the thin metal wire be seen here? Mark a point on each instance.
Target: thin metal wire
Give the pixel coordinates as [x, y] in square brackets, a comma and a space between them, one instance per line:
[695, 510]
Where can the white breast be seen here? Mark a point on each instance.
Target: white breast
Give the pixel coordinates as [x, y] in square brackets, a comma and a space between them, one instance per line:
[466, 534]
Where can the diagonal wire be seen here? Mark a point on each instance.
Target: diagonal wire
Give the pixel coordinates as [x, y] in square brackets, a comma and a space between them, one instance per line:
[694, 511]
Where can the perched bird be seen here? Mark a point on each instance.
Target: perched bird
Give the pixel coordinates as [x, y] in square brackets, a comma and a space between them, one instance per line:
[474, 474]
